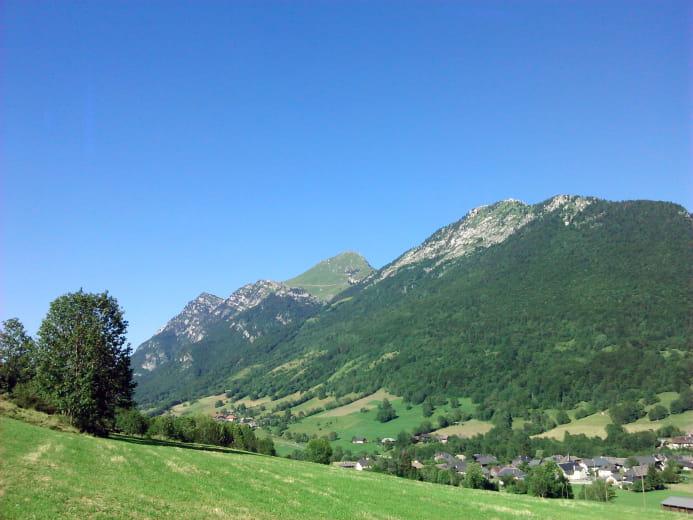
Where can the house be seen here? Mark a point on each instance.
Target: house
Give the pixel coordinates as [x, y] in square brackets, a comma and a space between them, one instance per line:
[520, 460]
[517, 474]
[678, 504]
[362, 464]
[678, 443]
[485, 460]
[442, 455]
[347, 464]
[416, 464]
[655, 461]
[608, 472]
[388, 440]
[619, 462]
[359, 440]
[573, 470]
[636, 473]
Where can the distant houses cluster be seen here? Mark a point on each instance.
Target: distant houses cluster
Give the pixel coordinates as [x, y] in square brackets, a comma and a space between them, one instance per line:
[232, 418]
[614, 470]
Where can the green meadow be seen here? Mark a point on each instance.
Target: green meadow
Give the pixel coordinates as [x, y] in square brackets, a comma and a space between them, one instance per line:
[595, 425]
[48, 474]
[358, 419]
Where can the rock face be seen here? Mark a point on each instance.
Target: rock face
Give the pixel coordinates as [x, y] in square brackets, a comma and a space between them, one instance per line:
[189, 324]
[207, 313]
[483, 227]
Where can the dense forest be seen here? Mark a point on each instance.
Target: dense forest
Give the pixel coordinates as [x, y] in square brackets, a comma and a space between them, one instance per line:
[596, 309]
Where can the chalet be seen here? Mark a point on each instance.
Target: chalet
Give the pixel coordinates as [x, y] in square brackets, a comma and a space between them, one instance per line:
[678, 443]
[442, 455]
[619, 462]
[655, 461]
[362, 464]
[485, 460]
[520, 460]
[608, 472]
[678, 504]
[573, 470]
[517, 474]
[685, 460]
[417, 465]
[359, 440]
[388, 440]
[635, 474]
[347, 464]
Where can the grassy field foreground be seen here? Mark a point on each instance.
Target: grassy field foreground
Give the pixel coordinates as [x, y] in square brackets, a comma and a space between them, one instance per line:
[53, 474]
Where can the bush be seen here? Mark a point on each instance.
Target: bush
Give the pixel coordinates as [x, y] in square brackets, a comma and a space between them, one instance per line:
[657, 413]
[627, 412]
[599, 491]
[131, 422]
[562, 417]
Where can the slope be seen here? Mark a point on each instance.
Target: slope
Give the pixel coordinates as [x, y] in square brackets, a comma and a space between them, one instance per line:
[579, 301]
[48, 474]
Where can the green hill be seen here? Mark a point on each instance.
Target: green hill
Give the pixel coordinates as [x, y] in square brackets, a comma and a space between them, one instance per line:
[332, 276]
[52, 475]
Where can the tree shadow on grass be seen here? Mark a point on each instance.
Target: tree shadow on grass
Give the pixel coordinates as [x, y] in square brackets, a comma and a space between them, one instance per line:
[147, 441]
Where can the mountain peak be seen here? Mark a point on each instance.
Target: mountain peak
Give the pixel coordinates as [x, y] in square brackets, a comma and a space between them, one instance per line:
[330, 277]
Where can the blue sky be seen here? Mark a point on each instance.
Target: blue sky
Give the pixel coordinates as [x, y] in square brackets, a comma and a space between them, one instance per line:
[161, 149]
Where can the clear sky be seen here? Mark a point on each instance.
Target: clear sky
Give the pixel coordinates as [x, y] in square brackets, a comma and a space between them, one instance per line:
[159, 149]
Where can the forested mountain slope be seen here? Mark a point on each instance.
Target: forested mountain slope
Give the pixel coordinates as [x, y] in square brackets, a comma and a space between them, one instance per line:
[517, 306]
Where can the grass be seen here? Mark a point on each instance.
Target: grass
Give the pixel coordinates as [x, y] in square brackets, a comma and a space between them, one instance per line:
[650, 500]
[595, 425]
[47, 474]
[349, 421]
[204, 405]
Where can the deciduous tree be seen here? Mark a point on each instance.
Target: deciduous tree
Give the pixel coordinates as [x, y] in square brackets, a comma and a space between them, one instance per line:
[318, 450]
[83, 361]
[15, 355]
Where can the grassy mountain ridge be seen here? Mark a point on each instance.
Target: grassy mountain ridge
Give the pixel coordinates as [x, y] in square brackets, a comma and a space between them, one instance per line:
[330, 277]
[48, 474]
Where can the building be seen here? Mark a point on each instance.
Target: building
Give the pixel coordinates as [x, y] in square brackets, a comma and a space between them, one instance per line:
[678, 504]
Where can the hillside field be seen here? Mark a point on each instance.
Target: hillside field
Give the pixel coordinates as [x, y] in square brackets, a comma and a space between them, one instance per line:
[50, 474]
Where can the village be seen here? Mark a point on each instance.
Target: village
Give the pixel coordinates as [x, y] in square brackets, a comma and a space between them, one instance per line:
[617, 471]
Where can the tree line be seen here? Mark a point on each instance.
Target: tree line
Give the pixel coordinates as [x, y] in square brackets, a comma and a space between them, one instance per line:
[200, 429]
[79, 367]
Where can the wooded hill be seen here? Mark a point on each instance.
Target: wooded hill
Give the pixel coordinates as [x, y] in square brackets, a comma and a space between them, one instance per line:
[520, 307]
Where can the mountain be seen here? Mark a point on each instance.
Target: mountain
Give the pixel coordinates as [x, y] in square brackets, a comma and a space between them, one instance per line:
[332, 276]
[185, 354]
[517, 306]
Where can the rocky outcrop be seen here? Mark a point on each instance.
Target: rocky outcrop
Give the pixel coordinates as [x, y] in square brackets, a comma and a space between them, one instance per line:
[483, 227]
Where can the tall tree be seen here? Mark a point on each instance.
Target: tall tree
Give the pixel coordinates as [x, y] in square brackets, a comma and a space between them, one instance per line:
[318, 450]
[83, 361]
[15, 355]
[547, 481]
